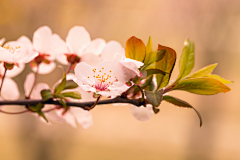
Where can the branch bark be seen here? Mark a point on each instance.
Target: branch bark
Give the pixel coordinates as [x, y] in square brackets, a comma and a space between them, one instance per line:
[83, 105]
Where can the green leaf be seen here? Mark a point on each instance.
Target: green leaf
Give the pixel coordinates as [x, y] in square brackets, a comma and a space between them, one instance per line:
[186, 62]
[63, 102]
[135, 49]
[73, 94]
[155, 110]
[150, 72]
[38, 109]
[203, 72]
[181, 103]
[166, 64]
[147, 83]
[154, 56]
[61, 86]
[40, 113]
[203, 86]
[224, 81]
[46, 94]
[148, 49]
[70, 84]
[155, 98]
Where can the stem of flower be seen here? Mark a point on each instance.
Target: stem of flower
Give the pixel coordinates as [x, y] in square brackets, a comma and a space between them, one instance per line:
[34, 83]
[4, 74]
[69, 68]
[141, 92]
[96, 102]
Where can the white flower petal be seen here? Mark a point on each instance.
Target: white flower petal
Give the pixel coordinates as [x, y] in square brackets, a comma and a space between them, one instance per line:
[58, 46]
[52, 116]
[96, 46]
[86, 96]
[123, 73]
[141, 113]
[77, 39]
[28, 83]
[45, 68]
[61, 58]
[83, 70]
[41, 39]
[10, 89]
[5, 55]
[84, 87]
[118, 87]
[2, 41]
[110, 49]
[36, 94]
[25, 41]
[69, 118]
[91, 59]
[83, 117]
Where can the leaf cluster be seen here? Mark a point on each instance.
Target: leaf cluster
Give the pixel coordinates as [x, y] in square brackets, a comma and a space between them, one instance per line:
[60, 94]
[157, 70]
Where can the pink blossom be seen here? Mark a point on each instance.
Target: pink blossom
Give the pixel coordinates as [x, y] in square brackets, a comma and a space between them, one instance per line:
[100, 80]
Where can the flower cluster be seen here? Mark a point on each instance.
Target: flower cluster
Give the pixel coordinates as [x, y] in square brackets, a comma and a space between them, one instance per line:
[137, 75]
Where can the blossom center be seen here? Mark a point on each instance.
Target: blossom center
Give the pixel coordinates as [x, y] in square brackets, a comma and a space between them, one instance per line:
[103, 78]
[11, 49]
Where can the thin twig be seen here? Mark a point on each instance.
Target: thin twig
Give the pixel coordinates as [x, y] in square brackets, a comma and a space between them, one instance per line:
[4, 74]
[20, 112]
[96, 102]
[34, 83]
[69, 68]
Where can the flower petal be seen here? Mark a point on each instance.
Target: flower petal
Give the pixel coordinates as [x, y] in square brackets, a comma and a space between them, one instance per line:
[141, 113]
[83, 70]
[123, 73]
[13, 92]
[96, 46]
[45, 68]
[83, 117]
[2, 41]
[91, 59]
[36, 94]
[58, 47]
[78, 38]
[28, 83]
[87, 87]
[69, 118]
[15, 71]
[41, 39]
[5, 55]
[110, 49]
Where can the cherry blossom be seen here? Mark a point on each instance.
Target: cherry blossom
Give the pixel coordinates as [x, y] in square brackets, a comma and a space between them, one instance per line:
[20, 52]
[78, 47]
[43, 44]
[100, 80]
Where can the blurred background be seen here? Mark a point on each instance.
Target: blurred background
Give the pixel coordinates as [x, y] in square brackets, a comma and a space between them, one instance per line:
[172, 134]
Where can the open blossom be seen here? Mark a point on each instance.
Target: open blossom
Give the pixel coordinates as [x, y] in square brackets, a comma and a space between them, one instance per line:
[101, 80]
[78, 47]
[16, 53]
[43, 45]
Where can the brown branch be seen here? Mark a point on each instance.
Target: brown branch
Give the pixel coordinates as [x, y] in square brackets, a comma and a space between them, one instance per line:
[118, 99]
